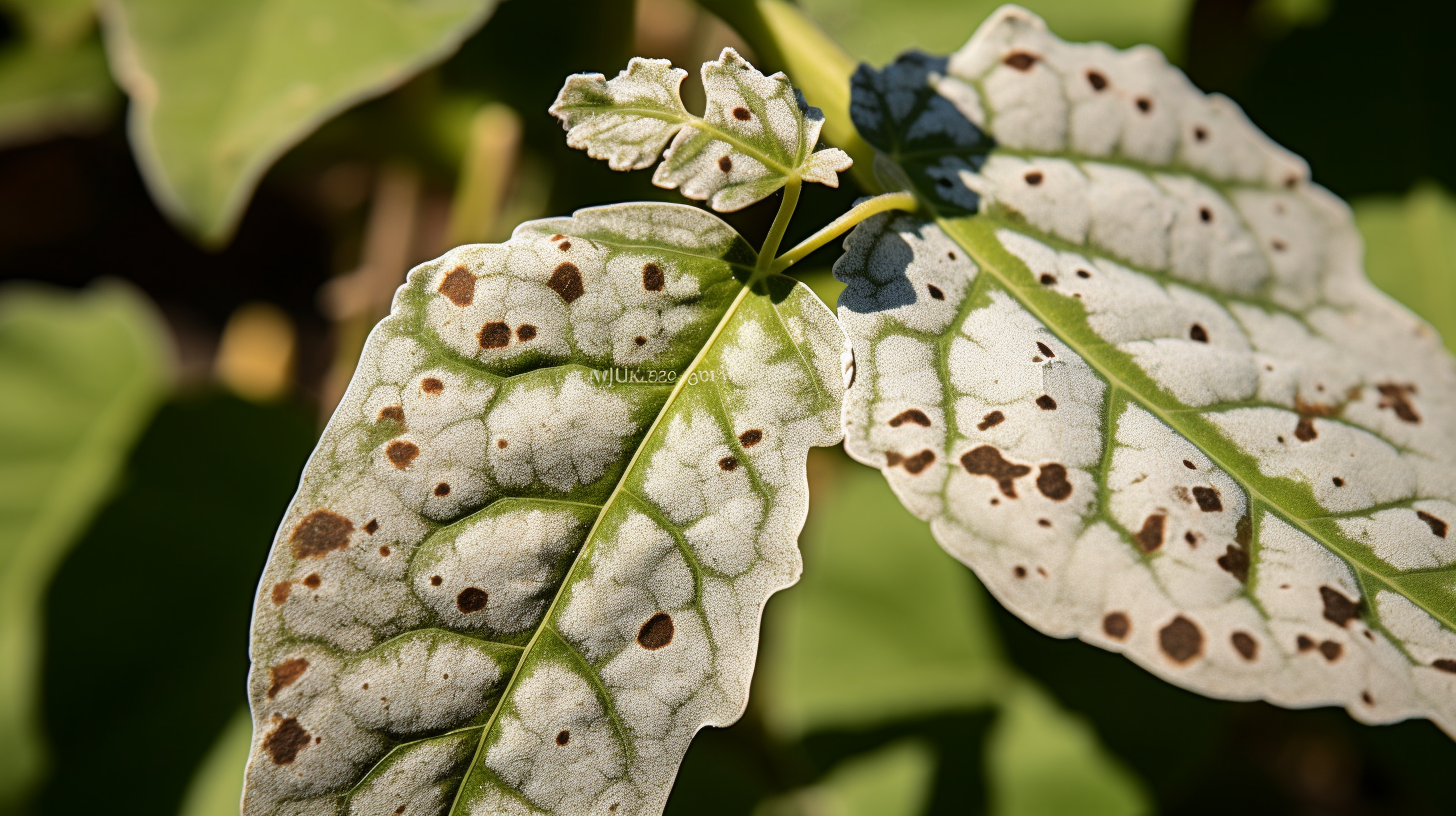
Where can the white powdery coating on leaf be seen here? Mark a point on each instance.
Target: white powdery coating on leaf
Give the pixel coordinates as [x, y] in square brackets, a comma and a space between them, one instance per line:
[419, 684]
[590, 108]
[558, 436]
[418, 779]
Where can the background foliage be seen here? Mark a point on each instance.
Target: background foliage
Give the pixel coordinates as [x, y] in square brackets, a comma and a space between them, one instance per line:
[889, 682]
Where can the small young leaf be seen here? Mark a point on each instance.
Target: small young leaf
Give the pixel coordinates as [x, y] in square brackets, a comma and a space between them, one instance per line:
[529, 557]
[1133, 375]
[756, 135]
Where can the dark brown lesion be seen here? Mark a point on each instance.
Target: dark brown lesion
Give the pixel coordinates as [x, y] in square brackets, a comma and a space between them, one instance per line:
[1149, 537]
[935, 291]
[653, 278]
[1097, 80]
[987, 461]
[1396, 397]
[392, 413]
[1235, 560]
[432, 385]
[471, 599]
[1116, 625]
[1339, 609]
[725, 164]
[283, 743]
[285, 674]
[990, 420]
[1245, 644]
[566, 282]
[914, 415]
[1046, 403]
[281, 591]
[1181, 640]
[320, 533]
[728, 463]
[1438, 526]
[459, 286]
[1208, 499]
[656, 633]
[494, 335]
[1331, 650]
[750, 437]
[741, 114]
[1052, 481]
[914, 464]
[1020, 60]
[401, 453]
[525, 332]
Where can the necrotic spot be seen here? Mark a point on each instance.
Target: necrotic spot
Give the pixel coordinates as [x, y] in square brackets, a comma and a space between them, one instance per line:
[1019, 571]
[1208, 500]
[564, 246]
[1116, 625]
[653, 278]
[1052, 482]
[656, 632]
[1033, 178]
[1339, 609]
[728, 463]
[1396, 398]
[1205, 215]
[1444, 664]
[986, 461]
[935, 291]
[725, 164]
[1181, 640]
[436, 580]
[284, 742]
[1235, 561]
[1048, 279]
[502, 443]
[742, 114]
[1197, 334]
[471, 599]
[459, 286]
[1304, 429]
[991, 420]
[1438, 526]
[1150, 537]
[750, 438]
[312, 580]
[1199, 133]
[494, 335]
[1338, 482]
[1189, 465]
[393, 413]
[566, 282]
[401, 453]
[384, 550]
[442, 489]
[285, 674]
[563, 737]
[1084, 274]
[1097, 81]
[914, 415]
[640, 340]
[525, 332]
[372, 527]
[320, 533]
[1303, 643]
[1192, 539]
[919, 462]
[430, 385]
[1331, 650]
[1145, 104]
[1245, 645]
[1046, 403]
[1044, 349]
[281, 591]
[1020, 60]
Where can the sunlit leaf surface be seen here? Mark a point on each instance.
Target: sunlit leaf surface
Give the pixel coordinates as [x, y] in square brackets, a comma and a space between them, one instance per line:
[219, 90]
[1131, 372]
[757, 133]
[529, 557]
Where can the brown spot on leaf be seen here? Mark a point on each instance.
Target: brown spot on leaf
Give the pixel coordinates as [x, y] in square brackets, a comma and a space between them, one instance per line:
[1020, 60]
[1033, 177]
[563, 737]
[430, 385]
[384, 550]
[1144, 104]
[1245, 645]
[471, 599]
[1189, 465]
[281, 591]
[1052, 482]
[1331, 650]
[1339, 609]
[1116, 625]
[1197, 334]
[285, 741]
[1097, 81]
[1235, 561]
[494, 335]
[1205, 215]
[1191, 538]
[285, 674]
[1278, 245]
[991, 420]
[656, 632]
[653, 278]
[1366, 698]
[564, 246]
[640, 340]
[393, 413]
[728, 463]
[401, 453]
[459, 286]
[914, 415]
[566, 282]
[436, 580]
[1181, 640]
[1303, 643]
[750, 438]
[525, 332]
[502, 443]
[1208, 500]
[1082, 273]
[372, 527]
[1200, 133]
[1046, 403]
[1048, 279]
[935, 291]
[442, 489]
[320, 533]
[1438, 526]
[1019, 571]
[742, 114]
[1338, 482]
[1444, 664]
[914, 465]
[1150, 537]
[312, 580]
[725, 164]
[986, 461]
[1304, 430]
[1044, 349]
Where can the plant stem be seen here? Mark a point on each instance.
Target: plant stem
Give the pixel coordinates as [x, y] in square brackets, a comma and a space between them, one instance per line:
[840, 225]
[780, 225]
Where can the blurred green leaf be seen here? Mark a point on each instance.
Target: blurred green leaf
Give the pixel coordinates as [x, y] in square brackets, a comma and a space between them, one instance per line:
[220, 90]
[893, 780]
[52, 23]
[882, 626]
[217, 786]
[1040, 760]
[47, 92]
[877, 30]
[80, 375]
[1410, 252]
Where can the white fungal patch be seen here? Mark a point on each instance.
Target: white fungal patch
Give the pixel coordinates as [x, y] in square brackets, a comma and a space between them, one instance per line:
[1162, 273]
[418, 777]
[559, 433]
[419, 683]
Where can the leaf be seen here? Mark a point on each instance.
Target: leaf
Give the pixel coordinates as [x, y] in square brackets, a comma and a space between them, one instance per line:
[533, 546]
[52, 23]
[1410, 252]
[47, 92]
[879, 629]
[83, 374]
[757, 134]
[220, 90]
[217, 786]
[895, 779]
[1132, 374]
[1041, 759]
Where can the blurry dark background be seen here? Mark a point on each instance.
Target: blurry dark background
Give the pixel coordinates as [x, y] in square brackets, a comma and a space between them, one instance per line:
[146, 621]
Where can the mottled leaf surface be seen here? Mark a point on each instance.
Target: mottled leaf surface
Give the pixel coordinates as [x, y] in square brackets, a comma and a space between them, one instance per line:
[757, 133]
[1131, 372]
[528, 559]
[220, 90]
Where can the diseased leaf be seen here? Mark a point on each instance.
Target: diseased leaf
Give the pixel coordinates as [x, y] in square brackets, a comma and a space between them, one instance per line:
[220, 90]
[757, 134]
[528, 559]
[82, 375]
[1131, 372]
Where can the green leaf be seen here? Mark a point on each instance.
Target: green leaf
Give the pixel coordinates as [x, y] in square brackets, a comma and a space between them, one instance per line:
[1410, 252]
[220, 90]
[1131, 373]
[528, 559]
[892, 780]
[47, 92]
[880, 628]
[757, 135]
[52, 23]
[1041, 759]
[82, 375]
[217, 786]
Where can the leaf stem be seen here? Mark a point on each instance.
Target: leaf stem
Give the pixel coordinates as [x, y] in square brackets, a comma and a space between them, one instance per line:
[780, 226]
[842, 224]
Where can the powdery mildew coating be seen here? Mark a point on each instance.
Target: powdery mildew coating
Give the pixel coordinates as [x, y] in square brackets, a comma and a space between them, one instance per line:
[504, 560]
[1146, 391]
[756, 133]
